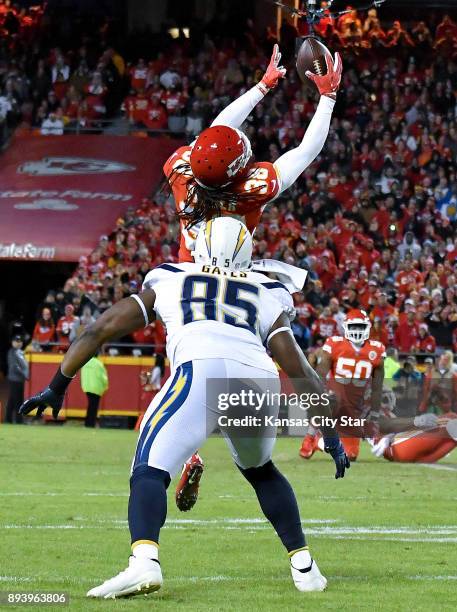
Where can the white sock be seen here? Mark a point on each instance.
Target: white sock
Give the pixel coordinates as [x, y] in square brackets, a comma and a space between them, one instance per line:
[146, 551]
[320, 443]
[311, 430]
[301, 559]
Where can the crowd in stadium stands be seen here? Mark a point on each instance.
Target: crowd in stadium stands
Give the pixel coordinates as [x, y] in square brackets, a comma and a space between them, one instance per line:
[52, 89]
[373, 219]
[144, 237]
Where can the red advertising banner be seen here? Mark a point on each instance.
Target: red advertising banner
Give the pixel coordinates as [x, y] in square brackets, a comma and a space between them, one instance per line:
[58, 194]
[125, 395]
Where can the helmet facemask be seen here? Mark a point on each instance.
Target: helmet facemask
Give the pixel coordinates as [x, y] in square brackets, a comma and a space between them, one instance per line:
[356, 332]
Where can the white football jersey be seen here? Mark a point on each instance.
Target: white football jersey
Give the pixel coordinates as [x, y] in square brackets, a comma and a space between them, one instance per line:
[210, 312]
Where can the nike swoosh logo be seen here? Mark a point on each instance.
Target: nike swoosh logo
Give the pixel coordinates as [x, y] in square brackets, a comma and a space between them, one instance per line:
[305, 570]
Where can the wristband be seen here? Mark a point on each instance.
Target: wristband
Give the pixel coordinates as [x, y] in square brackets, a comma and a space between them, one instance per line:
[60, 382]
[263, 88]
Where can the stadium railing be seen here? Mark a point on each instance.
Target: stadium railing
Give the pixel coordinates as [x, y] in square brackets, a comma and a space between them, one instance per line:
[58, 347]
[54, 347]
[116, 127]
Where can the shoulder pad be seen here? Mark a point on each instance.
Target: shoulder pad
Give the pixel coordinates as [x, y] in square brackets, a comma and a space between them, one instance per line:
[380, 346]
[281, 293]
[160, 273]
[180, 156]
[330, 342]
[376, 344]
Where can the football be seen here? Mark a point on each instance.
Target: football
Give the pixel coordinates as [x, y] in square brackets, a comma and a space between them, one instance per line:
[311, 56]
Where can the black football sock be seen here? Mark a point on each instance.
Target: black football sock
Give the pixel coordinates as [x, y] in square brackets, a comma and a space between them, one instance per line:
[279, 505]
[147, 503]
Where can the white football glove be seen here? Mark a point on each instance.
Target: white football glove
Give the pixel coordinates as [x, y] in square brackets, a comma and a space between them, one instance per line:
[426, 421]
[383, 444]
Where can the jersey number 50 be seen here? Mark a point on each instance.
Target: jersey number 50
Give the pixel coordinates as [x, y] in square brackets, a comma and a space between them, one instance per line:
[348, 369]
[207, 298]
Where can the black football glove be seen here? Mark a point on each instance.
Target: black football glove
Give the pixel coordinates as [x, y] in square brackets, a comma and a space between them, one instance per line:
[52, 396]
[333, 447]
[42, 400]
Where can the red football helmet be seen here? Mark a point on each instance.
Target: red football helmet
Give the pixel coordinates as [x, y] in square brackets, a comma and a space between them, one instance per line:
[357, 326]
[219, 156]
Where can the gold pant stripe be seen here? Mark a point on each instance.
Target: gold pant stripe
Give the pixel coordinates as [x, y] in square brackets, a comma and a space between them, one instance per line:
[292, 552]
[138, 542]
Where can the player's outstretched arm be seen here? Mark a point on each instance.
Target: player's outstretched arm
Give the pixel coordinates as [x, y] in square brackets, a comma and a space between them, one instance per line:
[123, 318]
[397, 425]
[389, 425]
[236, 113]
[290, 358]
[294, 162]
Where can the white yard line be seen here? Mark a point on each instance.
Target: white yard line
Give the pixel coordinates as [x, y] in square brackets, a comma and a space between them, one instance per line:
[204, 522]
[80, 580]
[426, 534]
[66, 494]
[444, 467]
[240, 521]
[450, 540]
[238, 497]
[432, 577]
[439, 466]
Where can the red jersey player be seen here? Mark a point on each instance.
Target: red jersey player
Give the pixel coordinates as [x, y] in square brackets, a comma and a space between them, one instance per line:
[324, 326]
[65, 325]
[432, 438]
[354, 368]
[217, 175]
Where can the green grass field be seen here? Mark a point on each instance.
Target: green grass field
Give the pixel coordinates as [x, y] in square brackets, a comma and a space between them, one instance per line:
[384, 536]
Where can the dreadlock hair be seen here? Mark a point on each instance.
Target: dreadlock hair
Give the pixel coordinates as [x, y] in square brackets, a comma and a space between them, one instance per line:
[204, 203]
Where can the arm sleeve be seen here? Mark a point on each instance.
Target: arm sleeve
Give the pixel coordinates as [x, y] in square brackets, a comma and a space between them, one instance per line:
[294, 162]
[283, 296]
[238, 111]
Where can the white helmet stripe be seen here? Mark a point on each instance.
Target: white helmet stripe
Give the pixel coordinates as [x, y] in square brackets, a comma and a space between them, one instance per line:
[224, 242]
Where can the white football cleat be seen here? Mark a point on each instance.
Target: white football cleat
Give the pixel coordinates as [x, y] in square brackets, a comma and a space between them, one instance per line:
[141, 576]
[305, 573]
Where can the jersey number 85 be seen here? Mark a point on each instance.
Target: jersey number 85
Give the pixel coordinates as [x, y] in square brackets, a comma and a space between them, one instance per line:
[207, 298]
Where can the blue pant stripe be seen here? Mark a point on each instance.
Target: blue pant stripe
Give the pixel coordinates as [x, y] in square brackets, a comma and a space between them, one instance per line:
[145, 442]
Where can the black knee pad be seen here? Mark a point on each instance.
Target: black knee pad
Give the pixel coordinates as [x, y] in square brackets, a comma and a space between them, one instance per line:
[149, 473]
[257, 474]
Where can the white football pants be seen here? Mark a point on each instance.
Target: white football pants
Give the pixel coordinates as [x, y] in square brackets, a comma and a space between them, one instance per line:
[189, 408]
